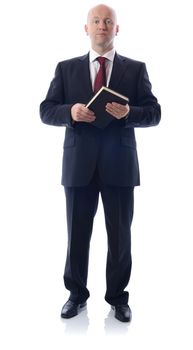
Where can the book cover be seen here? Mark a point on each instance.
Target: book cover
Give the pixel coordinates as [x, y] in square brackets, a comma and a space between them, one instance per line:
[98, 102]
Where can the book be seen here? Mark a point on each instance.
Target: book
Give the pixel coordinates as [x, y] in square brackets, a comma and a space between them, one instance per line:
[98, 102]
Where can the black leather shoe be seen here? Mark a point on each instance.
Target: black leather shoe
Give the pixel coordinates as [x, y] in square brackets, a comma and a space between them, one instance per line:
[71, 309]
[122, 313]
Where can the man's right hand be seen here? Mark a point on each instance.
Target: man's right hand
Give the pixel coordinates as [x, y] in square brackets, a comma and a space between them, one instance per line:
[80, 113]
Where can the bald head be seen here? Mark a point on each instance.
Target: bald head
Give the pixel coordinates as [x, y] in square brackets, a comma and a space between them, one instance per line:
[102, 8]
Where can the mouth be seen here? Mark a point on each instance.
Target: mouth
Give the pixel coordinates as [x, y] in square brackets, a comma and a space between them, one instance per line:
[101, 34]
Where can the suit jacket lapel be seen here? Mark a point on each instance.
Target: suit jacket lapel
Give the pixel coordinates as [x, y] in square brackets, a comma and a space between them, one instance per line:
[85, 75]
[119, 66]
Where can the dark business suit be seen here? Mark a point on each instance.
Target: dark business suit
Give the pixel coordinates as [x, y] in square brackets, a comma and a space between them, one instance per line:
[96, 161]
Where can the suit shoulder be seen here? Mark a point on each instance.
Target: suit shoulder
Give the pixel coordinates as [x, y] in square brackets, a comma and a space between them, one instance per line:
[73, 60]
[131, 61]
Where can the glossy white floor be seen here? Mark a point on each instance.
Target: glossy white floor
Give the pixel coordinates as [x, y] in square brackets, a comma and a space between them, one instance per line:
[32, 291]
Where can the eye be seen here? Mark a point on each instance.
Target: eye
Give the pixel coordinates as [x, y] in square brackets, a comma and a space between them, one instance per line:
[96, 21]
[108, 21]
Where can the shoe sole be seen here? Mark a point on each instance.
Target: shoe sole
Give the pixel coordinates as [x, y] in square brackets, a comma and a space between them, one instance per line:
[123, 320]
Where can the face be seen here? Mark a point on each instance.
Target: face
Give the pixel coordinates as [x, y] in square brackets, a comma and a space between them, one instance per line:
[101, 27]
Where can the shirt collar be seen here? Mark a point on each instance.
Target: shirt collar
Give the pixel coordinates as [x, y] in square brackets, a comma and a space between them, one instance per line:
[109, 55]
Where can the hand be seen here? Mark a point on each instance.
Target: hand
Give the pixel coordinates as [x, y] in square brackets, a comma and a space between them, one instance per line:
[117, 110]
[80, 113]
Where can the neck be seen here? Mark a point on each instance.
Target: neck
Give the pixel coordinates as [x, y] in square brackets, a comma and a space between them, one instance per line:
[102, 50]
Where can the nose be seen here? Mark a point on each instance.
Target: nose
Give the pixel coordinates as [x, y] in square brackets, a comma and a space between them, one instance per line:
[102, 24]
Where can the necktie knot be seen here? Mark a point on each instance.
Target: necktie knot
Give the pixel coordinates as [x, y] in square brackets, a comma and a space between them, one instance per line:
[101, 60]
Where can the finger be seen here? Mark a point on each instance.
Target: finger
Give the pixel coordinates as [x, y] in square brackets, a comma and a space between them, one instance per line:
[85, 118]
[88, 111]
[111, 109]
[116, 112]
[89, 118]
[119, 108]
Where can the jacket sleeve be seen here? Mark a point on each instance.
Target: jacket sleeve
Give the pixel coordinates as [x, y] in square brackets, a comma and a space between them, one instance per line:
[147, 111]
[53, 110]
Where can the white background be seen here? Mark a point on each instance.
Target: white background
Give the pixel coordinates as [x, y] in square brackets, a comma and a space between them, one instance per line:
[35, 35]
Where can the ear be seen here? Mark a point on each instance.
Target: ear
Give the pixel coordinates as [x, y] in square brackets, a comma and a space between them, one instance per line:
[86, 29]
[117, 29]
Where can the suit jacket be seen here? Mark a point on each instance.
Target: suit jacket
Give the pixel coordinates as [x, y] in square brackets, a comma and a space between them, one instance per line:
[113, 149]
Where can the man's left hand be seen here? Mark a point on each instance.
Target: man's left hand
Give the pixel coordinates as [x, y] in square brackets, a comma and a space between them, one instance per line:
[117, 110]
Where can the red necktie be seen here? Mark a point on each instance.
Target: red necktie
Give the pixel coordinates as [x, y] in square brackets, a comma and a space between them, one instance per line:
[100, 79]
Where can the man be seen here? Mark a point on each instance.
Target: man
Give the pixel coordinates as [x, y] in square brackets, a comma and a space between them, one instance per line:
[99, 160]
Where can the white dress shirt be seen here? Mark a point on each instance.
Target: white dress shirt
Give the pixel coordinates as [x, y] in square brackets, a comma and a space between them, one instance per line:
[94, 65]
